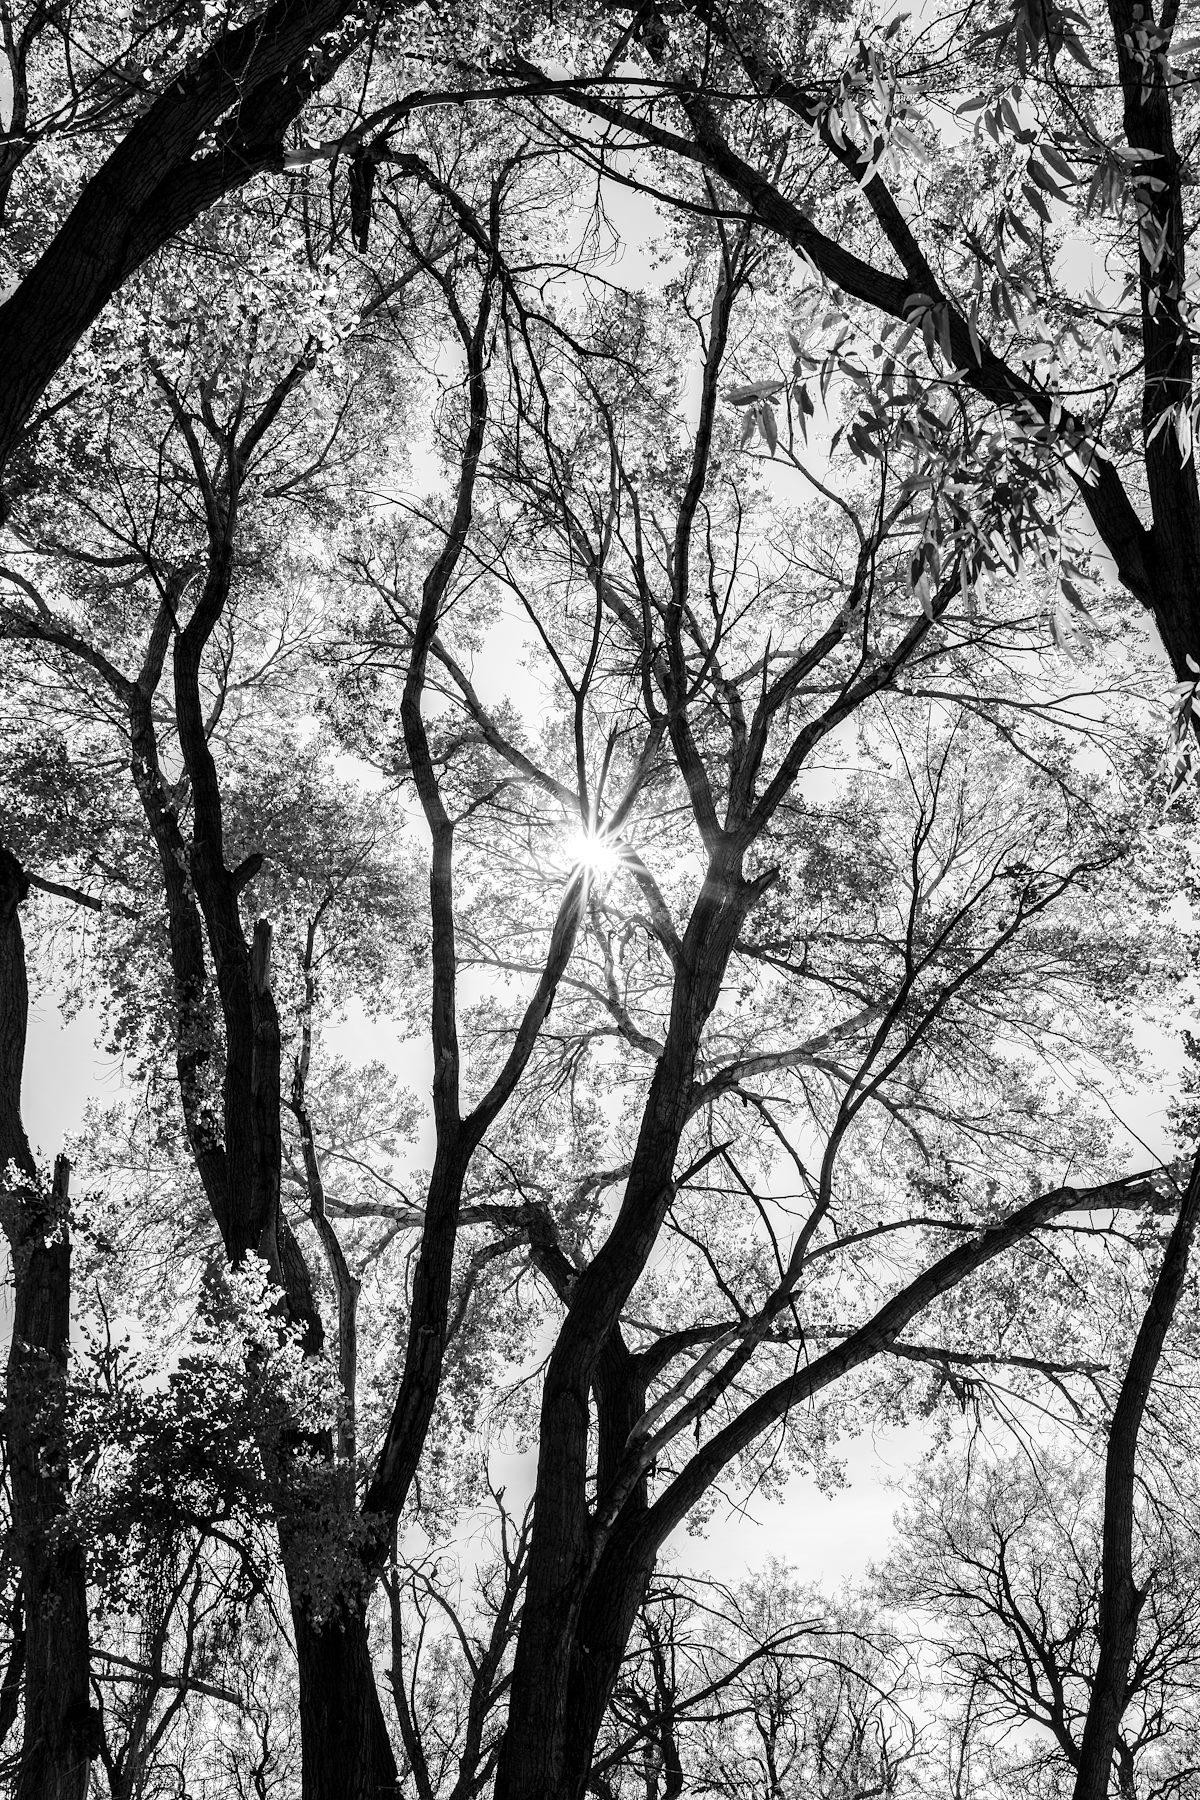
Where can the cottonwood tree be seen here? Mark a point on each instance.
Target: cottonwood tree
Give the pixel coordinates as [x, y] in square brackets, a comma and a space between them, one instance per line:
[777, 964]
[847, 139]
[681, 681]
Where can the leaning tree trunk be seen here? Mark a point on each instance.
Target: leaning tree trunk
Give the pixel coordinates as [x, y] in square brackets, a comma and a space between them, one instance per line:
[60, 1727]
[606, 1619]
[1121, 1598]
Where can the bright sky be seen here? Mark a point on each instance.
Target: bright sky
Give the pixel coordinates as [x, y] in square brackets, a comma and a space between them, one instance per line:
[827, 1538]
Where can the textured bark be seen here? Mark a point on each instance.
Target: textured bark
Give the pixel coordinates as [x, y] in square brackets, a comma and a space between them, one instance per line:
[606, 1619]
[347, 1754]
[14, 1672]
[60, 1727]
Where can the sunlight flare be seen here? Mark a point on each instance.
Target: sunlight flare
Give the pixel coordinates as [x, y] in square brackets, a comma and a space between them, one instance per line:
[591, 850]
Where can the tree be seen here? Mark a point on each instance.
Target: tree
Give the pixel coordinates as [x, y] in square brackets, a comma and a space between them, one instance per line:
[1004, 1561]
[940, 206]
[58, 1734]
[164, 120]
[596, 1530]
[722, 959]
[766, 1689]
[1122, 1599]
[226, 1041]
[234, 1120]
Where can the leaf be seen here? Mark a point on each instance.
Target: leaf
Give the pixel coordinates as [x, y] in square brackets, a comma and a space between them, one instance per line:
[1044, 178]
[1058, 626]
[910, 143]
[768, 426]
[1036, 202]
[905, 338]
[1160, 424]
[1058, 162]
[1183, 434]
[753, 391]
[973, 332]
[1074, 44]
[1074, 598]
[1022, 230]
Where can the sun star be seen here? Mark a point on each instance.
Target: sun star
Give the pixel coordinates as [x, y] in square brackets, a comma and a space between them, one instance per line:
[592, 851]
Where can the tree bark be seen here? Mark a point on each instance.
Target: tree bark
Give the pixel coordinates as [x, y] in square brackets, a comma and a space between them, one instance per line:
[60, 1726]
[14, 1018]
[345, 1748]
[1120, 1597]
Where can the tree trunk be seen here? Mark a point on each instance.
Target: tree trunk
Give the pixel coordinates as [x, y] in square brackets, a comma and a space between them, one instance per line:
[607, 1617]
[562, 1674]
[347, 1753]
[345, 1748]
[1121, 1598]
[60, 1727]
[14, 1018]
